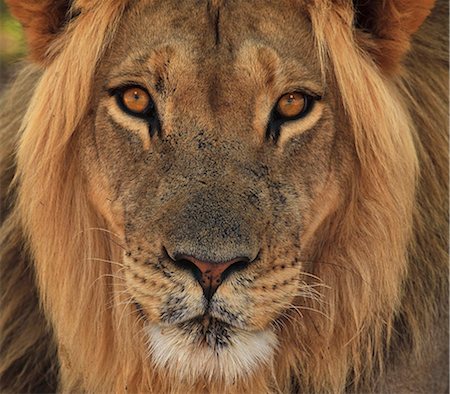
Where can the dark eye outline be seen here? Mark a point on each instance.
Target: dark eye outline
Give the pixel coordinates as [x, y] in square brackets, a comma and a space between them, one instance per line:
[118, 92]
[150, 113]
[276, 120]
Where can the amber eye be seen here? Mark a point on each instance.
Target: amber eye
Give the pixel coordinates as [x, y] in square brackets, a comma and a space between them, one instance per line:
[135, 100]
[292, 105]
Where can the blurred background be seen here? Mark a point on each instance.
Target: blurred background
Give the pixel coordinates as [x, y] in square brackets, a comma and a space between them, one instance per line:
[12, 44]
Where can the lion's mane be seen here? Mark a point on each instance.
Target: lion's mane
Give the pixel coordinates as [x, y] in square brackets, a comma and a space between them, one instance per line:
[388, 280]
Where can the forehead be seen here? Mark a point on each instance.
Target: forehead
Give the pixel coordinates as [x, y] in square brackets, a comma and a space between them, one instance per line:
[212, 22]
[218, 31]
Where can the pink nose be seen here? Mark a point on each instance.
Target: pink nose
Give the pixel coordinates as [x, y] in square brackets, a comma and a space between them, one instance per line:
[210, 275]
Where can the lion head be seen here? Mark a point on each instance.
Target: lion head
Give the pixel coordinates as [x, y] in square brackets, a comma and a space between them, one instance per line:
[223, 196]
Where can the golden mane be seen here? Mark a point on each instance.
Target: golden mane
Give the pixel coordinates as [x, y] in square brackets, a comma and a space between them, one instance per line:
[389, 261]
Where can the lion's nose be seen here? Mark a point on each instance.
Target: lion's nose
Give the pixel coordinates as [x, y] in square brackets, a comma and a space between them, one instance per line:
[211, 274]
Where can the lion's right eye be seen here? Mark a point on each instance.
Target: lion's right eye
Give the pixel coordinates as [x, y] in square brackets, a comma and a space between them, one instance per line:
[135, 101]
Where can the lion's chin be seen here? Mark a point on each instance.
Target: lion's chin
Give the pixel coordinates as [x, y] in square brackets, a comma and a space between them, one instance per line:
[209, 349]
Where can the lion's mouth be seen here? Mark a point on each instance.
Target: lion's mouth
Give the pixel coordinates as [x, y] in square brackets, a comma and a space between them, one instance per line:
[206, 340]
[204, 330]
[207, 347]
[208, 331]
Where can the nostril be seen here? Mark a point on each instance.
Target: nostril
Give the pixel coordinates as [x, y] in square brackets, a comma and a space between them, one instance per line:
[190, 266]
[210, 275]
[238, 265]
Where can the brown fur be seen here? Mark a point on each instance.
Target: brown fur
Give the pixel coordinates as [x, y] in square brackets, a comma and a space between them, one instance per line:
[42, 22]
[344, 215]
[390, 41]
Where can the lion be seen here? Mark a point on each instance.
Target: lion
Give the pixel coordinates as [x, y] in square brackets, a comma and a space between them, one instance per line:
[226, 197]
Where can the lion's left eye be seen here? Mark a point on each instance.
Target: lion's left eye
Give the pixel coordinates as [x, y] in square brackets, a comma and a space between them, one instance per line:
[292, 106]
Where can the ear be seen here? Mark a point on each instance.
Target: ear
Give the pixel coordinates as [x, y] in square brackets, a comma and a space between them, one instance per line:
[43, 21]
[390, 24]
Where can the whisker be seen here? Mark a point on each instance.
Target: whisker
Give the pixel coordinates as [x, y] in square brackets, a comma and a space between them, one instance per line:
[308, 274]
[126, 306]
[343, 267]
[298, 309]
[105, 261]
[104, 230]
[109, 233]
[107, 276]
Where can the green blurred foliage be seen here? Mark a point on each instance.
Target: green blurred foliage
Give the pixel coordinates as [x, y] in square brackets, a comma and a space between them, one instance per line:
[12, 43]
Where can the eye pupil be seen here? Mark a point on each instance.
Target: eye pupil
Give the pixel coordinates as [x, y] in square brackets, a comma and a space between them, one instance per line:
[135, 100]
[291, 105]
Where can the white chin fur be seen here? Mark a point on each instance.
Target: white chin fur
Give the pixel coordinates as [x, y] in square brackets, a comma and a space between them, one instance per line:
[187, 357]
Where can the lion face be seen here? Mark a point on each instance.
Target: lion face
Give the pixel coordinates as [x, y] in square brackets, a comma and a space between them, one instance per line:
[213, 157]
